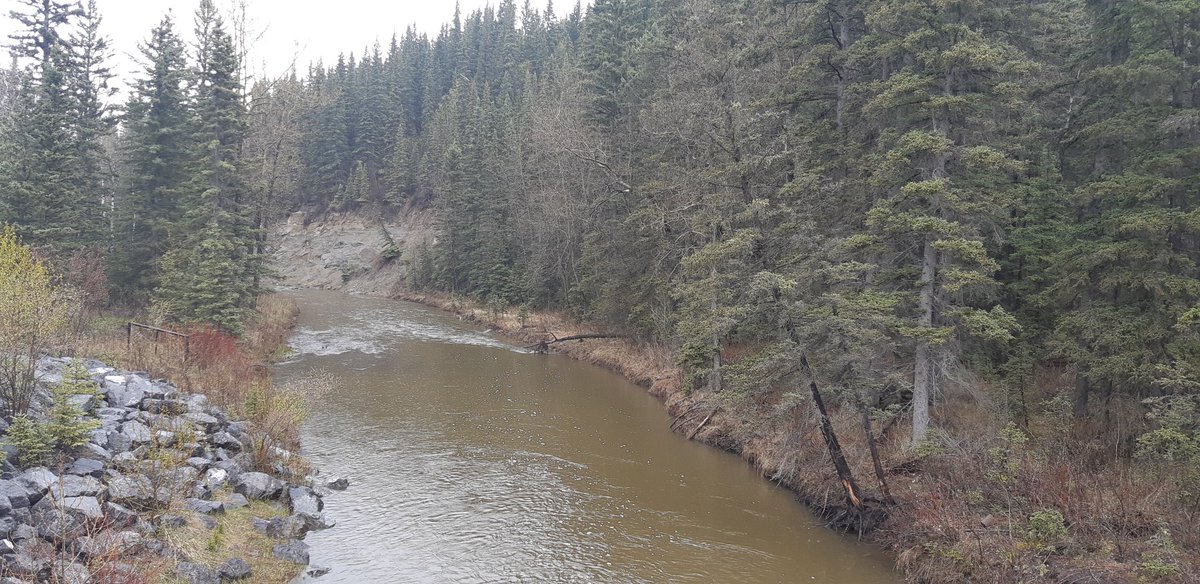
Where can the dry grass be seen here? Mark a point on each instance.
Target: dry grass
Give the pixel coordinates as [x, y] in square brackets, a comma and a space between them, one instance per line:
[233, 373]
[965, 513]
[234, 536]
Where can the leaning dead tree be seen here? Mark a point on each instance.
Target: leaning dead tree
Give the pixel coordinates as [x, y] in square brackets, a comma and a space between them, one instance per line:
[543, 346]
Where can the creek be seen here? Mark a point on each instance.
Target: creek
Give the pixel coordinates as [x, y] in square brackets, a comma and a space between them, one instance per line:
[472, 460]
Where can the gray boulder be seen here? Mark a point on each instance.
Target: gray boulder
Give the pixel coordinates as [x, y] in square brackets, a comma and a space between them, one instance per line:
[137, 432]
[236, 501]
[257, 485]
[202, 506]
[16, 494]
[293, 550]
[304, 500]
[37, 480]
[234, 569]
[75, 486]
[135, 489]
[89, 467]
[205, 421]
[119, 516]
[196, 574]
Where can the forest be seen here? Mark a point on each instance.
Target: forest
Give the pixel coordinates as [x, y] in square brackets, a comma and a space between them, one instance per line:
[970, 228]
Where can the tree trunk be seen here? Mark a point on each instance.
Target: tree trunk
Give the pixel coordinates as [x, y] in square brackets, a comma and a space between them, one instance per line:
[715, 379]
[879, 474]
[924, 373]
[853, 499]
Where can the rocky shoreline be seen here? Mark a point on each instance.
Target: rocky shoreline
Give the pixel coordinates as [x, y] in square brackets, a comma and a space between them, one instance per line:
[159, 459]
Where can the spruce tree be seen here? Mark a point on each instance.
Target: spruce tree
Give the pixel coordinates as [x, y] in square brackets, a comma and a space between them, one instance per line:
[213, 268]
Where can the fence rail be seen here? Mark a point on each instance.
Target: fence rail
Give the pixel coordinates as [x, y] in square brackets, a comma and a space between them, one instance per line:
[187, 339]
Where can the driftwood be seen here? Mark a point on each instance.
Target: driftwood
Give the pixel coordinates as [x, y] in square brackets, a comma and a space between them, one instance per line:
[544, 345]
[702, 423]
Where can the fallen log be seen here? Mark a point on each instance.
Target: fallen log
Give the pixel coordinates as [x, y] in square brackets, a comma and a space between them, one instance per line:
[544, 345]
[702, 423]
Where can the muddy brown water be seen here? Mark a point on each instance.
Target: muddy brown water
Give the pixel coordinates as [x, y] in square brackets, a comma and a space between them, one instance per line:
[473, 461]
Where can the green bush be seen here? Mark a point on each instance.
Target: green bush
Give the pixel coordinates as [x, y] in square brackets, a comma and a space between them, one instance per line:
[68, 425]
[33, 441]
[1046, 527]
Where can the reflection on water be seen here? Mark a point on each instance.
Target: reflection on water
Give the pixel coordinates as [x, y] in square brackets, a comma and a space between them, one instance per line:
[472, 460]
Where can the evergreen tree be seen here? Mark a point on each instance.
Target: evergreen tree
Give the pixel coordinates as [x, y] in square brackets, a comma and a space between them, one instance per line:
[212, 270]
[158, 152]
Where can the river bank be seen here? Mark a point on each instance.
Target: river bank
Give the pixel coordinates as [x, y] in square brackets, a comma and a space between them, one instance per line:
[454, 436]
[163, 488]
[1055, 500]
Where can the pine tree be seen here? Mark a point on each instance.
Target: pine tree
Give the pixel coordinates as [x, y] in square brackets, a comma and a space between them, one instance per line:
[212, 270]
[945, 173]
[158, 151]
[44, 199]
[1129, 278]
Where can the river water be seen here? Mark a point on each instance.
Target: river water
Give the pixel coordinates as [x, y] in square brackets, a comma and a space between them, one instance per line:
[474, 461]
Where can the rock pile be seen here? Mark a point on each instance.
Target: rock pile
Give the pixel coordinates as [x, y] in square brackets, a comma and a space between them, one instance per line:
[155, 448]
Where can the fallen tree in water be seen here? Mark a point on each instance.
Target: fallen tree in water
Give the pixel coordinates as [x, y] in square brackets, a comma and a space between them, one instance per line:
[544, 345]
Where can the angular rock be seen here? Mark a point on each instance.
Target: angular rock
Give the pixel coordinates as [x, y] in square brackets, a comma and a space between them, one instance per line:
[118, 515]
[236, 501]
[164, 406]
[88, 467]
[16, 493]
[199, 463]
[75, 486]
[234, 569]
[137, 432]
[202, 506]
[227, 441]
[209, 423]
[337, 483]
[304, 500]
[110, 543]
[257, 485]
[37, 480]
[294, 551]
[196, 574]
[207, 522]
[173, 521]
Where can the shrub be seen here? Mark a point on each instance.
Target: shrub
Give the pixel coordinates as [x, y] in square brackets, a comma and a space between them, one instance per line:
[33, 314]
[33, 441]
[1046, 527]
[68, 426]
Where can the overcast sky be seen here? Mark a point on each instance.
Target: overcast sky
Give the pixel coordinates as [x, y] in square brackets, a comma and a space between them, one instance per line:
[292, 30]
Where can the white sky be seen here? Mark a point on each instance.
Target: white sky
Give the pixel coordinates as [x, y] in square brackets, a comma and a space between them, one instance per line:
[292, 30]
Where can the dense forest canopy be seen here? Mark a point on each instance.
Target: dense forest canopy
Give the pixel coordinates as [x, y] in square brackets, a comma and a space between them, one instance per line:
[919, 201]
